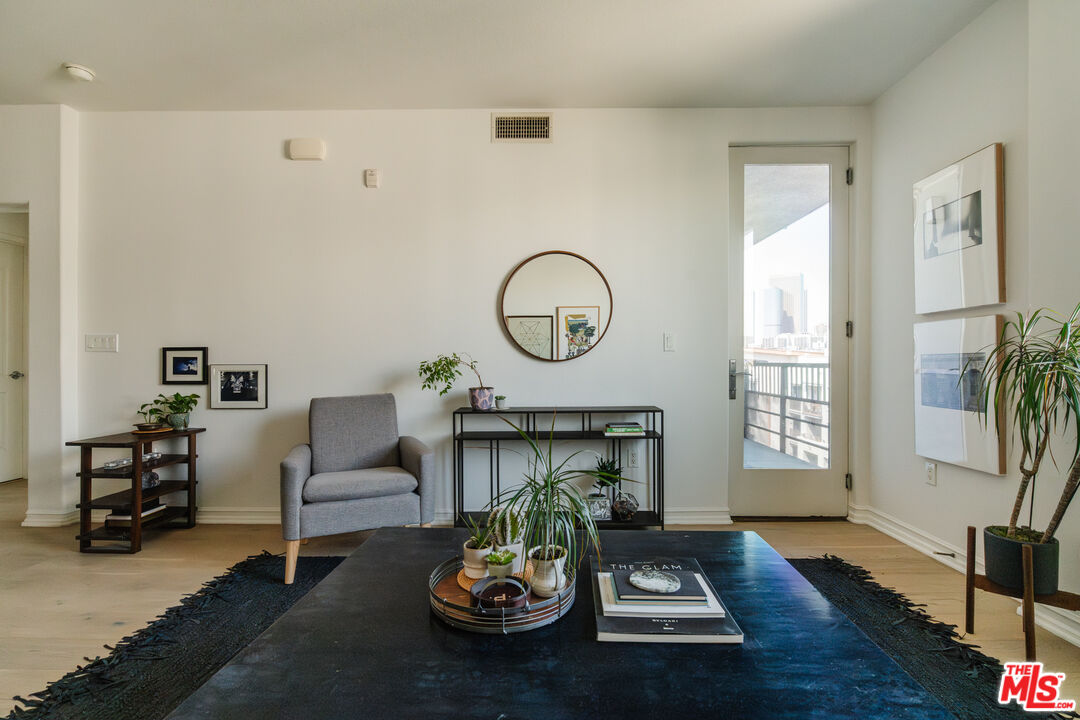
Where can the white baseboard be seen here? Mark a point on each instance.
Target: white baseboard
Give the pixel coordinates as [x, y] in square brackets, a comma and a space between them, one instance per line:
[238, 516]
[51, 519]
[1063, 623]
[697, 516]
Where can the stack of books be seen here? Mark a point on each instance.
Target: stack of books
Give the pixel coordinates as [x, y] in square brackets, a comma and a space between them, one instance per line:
[694, 613]
[624, 429]
[122, 518]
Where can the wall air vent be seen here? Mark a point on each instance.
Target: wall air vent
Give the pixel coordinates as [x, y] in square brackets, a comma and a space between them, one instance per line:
[521, 127]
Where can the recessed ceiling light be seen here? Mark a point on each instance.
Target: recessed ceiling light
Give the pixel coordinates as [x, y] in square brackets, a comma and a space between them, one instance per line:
[79, 72]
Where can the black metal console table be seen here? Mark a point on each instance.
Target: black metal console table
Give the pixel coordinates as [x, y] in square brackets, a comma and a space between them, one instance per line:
[536, 421]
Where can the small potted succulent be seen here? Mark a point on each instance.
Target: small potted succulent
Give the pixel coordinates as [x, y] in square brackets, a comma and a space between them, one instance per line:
[177, 409]
[608, 473]
[500, 563]
[446, 369]
[509, 529]
[476, 549]
[500, 402]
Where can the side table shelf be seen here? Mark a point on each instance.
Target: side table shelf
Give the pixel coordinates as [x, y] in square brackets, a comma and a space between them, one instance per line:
[131, 500]
[579, 425]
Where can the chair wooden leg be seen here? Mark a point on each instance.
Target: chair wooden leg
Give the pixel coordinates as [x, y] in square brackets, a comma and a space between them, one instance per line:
[969, 594]
[1029, 604]
[292, 549]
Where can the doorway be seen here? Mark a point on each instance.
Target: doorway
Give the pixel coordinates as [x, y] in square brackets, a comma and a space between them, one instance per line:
[788, 371]
[14, 231]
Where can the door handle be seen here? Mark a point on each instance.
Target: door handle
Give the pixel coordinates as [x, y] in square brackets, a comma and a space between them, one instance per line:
[732, 374]
[15, 375]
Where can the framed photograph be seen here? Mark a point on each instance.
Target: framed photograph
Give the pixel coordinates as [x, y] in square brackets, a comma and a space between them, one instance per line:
[949, 359]
[575, 329]
[183, 366]
[535, 334]
[238, 386]
[960, 234]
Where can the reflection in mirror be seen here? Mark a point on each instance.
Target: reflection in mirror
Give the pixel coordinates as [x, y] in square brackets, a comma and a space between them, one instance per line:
[556, 305]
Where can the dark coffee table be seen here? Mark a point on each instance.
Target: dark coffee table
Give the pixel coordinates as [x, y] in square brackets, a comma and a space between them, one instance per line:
[364, 644]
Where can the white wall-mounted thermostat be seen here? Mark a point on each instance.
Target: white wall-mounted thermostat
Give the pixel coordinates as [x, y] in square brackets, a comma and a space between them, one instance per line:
[307, 149]
[371, 178]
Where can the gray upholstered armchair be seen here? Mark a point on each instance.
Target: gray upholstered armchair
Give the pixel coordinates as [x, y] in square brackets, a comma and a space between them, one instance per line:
[356, 474]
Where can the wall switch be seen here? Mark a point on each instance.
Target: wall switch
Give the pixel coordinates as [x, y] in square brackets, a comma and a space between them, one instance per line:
[103, 343]
[632, 457]
[931, 473]
[669, 342]
[371, 178]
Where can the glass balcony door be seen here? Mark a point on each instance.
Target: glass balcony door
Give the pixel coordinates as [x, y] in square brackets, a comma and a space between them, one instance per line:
[789, 306]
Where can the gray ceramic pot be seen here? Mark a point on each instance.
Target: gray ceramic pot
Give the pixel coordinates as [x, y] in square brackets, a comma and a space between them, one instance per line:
[1004, 562]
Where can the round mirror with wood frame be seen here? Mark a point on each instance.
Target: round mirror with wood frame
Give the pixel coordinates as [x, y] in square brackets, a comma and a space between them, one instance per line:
[556, 305]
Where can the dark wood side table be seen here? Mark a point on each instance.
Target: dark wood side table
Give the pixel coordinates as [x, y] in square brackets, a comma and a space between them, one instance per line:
[1060, 599]
[130, 501]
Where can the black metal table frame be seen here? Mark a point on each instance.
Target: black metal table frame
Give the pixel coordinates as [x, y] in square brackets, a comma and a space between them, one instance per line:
[528, 420]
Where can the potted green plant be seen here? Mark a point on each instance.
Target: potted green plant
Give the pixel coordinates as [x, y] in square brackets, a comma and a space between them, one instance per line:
[151, 415]
[608, 474]
[446, 369]
[554, 509]
[500, 563]
[477, 547]
[509, 530]
[177, 408]
[500, 402]
[1032, 375]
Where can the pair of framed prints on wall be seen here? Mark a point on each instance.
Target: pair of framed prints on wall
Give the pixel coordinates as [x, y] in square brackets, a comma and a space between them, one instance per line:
[959, 233]
[235, 387]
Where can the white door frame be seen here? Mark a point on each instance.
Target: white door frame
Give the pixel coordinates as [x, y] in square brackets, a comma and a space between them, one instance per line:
[793, 493]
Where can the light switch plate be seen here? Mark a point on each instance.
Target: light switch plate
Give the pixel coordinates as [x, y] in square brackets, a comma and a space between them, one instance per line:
[669, 342]
[102, 343]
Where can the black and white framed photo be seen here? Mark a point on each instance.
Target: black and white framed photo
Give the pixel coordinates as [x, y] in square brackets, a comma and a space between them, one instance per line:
[238, 387]
[183, 366]
[960, 234]
[950, 356]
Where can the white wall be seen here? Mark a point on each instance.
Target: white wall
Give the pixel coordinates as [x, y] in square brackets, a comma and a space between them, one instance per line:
[973, 91]
[39, 147]
[196, 230]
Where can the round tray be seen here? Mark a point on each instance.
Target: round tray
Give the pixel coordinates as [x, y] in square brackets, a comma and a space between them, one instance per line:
[451, 604]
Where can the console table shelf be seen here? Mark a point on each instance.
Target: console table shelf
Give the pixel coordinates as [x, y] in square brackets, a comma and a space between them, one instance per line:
[536, 421]
[130, 501]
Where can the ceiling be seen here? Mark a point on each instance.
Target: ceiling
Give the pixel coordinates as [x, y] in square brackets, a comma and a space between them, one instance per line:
[330, 54]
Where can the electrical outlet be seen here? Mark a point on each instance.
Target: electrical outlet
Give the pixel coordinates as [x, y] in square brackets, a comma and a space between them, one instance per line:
[931, 473]
[632, 457]
[669, 342]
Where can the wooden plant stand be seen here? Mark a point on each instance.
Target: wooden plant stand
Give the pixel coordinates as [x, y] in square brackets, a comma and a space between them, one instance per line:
[129, 539]
[1060, 599]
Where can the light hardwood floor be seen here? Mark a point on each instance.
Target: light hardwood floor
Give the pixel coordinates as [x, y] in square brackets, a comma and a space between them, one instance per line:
[59, 606]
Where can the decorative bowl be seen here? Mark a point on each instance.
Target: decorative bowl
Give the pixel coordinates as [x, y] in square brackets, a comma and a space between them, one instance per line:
[149, 426]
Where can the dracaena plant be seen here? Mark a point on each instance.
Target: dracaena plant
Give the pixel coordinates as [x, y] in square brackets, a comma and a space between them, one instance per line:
[553, 508]
[1032, 377]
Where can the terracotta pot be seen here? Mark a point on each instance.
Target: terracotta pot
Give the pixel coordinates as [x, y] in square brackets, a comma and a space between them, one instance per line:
[482, 398]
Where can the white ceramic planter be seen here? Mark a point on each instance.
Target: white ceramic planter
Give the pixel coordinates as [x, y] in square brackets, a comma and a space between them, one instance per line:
[476, 562]
[500, 571]
[549, 577]
[518, 549]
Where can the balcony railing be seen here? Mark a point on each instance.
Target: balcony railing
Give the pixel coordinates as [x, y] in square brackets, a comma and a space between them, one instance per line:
[787, 409]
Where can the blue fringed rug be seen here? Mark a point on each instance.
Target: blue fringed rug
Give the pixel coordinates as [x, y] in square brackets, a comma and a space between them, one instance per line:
[149, 673]
[962, 679]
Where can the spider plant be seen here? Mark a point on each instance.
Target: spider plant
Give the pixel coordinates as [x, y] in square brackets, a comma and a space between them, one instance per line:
[551, 503]
[1032, 375]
